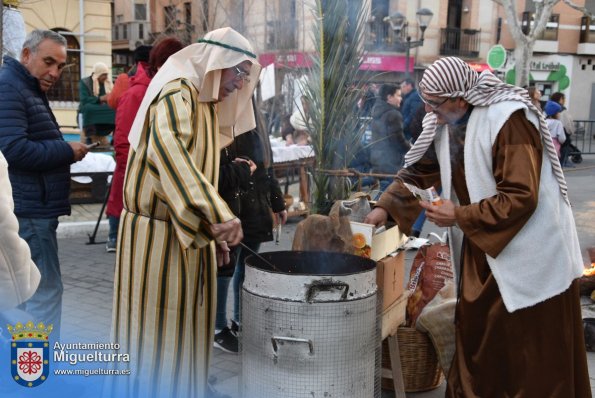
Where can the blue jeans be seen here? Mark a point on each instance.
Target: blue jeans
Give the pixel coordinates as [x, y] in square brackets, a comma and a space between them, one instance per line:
[114, 223]
[46, 304]
[223, 279]
[223, 286]
[221, 316]
[419, 222]
[238, 276]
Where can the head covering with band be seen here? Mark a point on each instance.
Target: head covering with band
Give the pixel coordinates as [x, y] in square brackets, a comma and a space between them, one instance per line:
[202, 63]
[101, 69]
[451, 77]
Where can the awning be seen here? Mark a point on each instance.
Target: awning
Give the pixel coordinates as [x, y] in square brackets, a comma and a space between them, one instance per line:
[286, 60]
[387, 63]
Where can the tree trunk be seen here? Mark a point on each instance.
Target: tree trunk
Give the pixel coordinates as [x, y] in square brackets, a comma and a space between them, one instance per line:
[522, 58]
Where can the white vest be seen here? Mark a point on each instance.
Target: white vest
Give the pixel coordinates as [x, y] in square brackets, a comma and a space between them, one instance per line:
[544, 257]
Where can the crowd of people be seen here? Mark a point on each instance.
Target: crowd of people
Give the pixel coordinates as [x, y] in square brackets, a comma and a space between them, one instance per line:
[194, 191]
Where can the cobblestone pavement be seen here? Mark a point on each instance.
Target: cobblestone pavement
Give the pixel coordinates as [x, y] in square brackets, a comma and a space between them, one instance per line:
[88, 275]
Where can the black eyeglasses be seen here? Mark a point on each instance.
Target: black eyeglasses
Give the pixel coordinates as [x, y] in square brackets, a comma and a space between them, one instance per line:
[432, 104]
[241, 75]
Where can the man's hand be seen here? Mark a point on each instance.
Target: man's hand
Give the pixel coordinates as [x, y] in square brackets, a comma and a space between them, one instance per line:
[377, 217]
[80, 150]
[249, 162]
[442, 215]
[229, 232]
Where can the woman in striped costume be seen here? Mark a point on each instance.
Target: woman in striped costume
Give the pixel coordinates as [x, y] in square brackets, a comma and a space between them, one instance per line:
[175, 228]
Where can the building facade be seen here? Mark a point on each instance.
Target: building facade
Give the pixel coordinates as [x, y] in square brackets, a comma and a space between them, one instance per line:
[564, 56]
[281, 31]
[86, 24]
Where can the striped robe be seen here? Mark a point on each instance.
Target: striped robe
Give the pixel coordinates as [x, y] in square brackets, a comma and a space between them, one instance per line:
[164, 289]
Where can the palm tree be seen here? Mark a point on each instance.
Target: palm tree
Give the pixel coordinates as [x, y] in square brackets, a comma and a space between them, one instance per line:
[332, 91]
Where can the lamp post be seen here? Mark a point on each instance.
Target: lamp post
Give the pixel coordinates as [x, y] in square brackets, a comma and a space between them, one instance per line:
[398, 22]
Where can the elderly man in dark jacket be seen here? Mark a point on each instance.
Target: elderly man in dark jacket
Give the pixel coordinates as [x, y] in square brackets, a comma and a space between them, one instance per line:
[39, 161]
[388, 145]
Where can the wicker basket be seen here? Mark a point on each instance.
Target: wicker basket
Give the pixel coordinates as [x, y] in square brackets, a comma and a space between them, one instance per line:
[419, 362]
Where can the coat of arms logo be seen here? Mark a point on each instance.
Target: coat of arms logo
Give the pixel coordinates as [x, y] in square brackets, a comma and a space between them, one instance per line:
[30, 353]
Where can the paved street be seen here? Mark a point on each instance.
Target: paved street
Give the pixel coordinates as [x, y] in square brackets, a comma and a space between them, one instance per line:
[88, 275]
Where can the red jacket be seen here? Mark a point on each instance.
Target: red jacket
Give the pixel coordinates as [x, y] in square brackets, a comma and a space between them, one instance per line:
[127, 107]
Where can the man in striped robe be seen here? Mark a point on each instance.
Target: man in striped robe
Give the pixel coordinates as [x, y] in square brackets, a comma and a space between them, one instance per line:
[518, 327]
[175, 229]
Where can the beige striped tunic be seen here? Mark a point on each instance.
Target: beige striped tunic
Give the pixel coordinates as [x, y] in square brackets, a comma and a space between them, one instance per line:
[164, 289]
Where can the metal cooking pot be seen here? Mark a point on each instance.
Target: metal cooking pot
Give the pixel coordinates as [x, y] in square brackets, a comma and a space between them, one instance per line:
[310, 276]
[310, 326]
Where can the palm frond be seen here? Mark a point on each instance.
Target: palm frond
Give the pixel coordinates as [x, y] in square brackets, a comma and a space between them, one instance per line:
[332, 90]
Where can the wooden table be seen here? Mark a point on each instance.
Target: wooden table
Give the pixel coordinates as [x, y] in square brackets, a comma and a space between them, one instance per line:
[301, 165]
[392, 318]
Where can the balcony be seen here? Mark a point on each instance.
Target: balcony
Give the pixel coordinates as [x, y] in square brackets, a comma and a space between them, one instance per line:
[460, 42]
[128, 35]
[379, 37]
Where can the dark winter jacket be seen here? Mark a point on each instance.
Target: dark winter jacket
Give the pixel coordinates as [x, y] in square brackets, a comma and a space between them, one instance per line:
[263, 194]
[388, 145]
[38, 157]
[411, 104]
[234, 178]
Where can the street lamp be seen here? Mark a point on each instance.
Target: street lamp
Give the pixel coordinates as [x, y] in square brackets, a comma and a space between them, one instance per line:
[398, 22]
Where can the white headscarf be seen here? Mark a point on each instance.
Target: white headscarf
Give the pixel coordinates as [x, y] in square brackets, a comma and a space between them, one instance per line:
[297, 121]
[101, 69]
[201, 64]
[452, 77]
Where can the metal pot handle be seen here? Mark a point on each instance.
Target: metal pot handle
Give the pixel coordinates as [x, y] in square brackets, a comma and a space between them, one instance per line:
[279, 340]
[326, 284]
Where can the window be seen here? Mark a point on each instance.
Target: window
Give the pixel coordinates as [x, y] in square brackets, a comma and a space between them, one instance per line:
[205, 15]
[140, 12]
[67, 87]
[169, 13]
[378, 31]
[188, 13]
[587, 34]
[141, 31]
[281, 27]
[551, 28]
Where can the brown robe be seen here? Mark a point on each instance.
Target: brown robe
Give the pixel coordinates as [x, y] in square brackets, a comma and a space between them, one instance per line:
[533, 352]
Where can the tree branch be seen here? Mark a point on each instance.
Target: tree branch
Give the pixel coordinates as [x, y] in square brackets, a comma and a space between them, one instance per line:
[514, 25]
[578, 8]
[543, 13]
